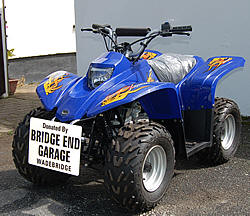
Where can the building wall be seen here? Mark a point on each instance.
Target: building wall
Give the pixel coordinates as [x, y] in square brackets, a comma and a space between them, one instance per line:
[40, 27]
[219, 28]
[35, 69]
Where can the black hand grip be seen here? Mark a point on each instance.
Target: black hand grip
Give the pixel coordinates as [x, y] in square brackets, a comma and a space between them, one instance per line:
[87, 29]
[132, 31]
[181, 28]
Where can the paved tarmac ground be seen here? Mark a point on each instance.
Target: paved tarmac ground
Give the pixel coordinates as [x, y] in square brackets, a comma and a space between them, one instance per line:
[194, 190]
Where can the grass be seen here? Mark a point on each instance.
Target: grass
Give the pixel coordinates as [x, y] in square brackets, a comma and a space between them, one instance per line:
[10, 133]
[245, 120]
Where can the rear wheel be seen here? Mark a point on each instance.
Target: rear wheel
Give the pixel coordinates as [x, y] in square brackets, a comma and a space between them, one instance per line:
[226, 132]
[139, 165]
[20, 146]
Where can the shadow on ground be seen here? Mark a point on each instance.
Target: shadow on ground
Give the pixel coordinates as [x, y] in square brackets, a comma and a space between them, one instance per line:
[243, 152]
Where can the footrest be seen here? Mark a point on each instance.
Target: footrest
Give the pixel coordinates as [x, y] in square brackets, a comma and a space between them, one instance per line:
[194, 147]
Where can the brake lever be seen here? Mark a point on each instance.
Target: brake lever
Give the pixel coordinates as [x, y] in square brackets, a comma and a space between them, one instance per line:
[181, 33]
[92, 30]
[166, 34]
[96, 31]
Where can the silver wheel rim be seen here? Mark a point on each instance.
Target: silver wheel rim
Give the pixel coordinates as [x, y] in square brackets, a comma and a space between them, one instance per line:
[154, 168]
[228, 133]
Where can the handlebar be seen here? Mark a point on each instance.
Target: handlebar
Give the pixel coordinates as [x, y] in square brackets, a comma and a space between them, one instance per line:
[146, 33]
[147, 40]
[132, 31]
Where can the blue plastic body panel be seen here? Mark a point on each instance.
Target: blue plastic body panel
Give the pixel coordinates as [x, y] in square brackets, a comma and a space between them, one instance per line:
[198, 88]
[162, 103]
[73, 98]
[148, 95]
[51, 100]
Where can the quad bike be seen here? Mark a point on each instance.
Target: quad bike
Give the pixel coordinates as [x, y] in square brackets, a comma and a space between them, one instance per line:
[134, 113]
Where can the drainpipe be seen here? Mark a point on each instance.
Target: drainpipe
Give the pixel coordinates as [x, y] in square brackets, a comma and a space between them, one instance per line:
[6, 94]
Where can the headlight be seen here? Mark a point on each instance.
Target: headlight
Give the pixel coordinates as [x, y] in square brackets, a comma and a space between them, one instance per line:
[97, 76]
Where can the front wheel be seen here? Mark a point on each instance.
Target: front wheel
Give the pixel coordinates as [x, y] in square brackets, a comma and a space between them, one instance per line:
[139, 165]
[20, 146]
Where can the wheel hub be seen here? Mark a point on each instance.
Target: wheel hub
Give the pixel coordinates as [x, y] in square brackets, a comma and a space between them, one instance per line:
[228, 132]
[154, 168]
[147, 167]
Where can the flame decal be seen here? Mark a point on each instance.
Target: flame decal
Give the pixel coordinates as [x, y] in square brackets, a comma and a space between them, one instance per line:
[217, 62]
[52, 84]
[150, 79]
[148, 55]
[122, 93]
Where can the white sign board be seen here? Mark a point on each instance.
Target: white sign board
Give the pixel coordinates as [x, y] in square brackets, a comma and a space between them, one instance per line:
[55, 145]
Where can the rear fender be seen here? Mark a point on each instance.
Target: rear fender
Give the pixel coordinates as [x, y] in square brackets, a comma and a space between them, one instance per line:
[54, 86]
[198, 90]
[198, 93]
[159, 100]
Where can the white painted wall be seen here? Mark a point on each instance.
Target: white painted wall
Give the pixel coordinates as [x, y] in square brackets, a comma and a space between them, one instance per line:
[219, 28]
[40, 27]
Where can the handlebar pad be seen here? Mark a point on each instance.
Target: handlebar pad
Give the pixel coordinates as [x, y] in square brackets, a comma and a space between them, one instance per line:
[181, 28]
[132, 31]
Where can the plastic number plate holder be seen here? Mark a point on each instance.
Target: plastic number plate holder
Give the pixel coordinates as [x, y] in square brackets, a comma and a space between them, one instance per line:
[55, 145]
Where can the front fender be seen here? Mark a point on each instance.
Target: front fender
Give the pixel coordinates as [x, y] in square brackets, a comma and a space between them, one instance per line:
[159, 100]
[78, 101]
[54, 86]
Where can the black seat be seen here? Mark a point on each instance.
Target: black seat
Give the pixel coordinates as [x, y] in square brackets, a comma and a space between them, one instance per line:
[172, 67]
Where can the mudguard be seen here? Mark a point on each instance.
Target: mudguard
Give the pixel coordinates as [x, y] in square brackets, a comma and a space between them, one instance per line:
[78, 103]
[159, 100]
[198, 89]
[80, 99]
[54, 86]
[74, 99]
